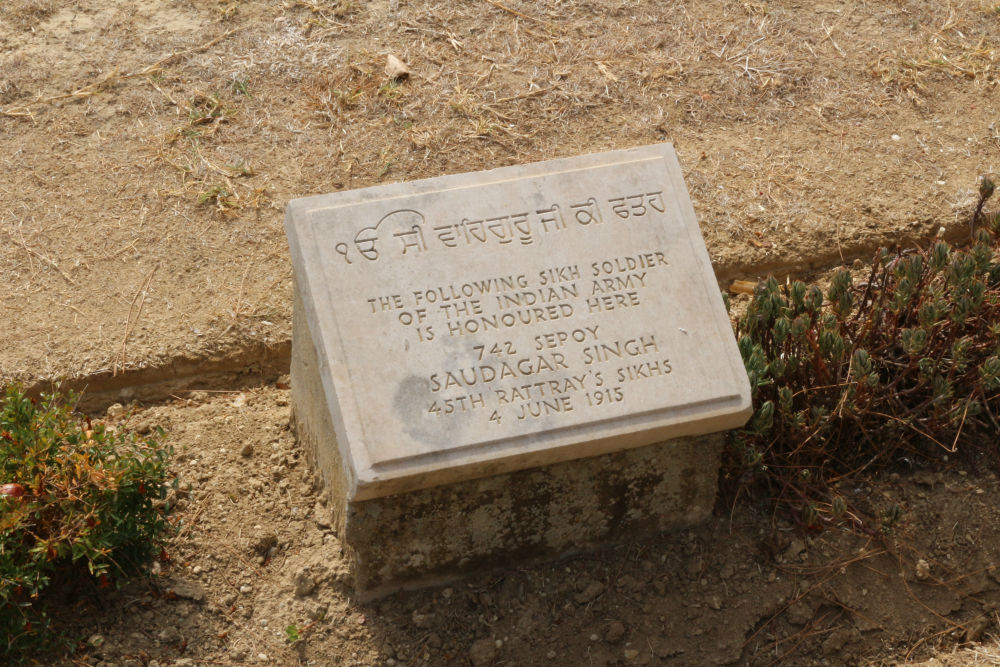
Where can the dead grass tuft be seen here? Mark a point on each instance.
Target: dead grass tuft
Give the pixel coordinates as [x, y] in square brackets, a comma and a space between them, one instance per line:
[976, 64]
[358, 88]
[211, 183]
[327, 11]
[25, 14]
[959, 47]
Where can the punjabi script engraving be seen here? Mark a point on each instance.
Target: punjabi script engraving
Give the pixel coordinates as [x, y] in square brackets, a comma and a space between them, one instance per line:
[409, 225]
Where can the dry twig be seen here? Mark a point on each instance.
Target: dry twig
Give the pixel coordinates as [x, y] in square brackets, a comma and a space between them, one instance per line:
[139, 298]
[505, 8]
[45, 259]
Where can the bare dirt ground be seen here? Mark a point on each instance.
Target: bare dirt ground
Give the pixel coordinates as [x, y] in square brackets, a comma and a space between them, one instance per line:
[254, 555]
[148, 149]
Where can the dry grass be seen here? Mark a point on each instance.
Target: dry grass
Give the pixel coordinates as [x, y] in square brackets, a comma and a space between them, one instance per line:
[782, 117]
[183, 147]
[955, 48]
[24, 14]
[106, 81]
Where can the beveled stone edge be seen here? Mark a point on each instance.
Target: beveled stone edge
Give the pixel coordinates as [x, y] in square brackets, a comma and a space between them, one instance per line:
[368, 484]
[306, 205]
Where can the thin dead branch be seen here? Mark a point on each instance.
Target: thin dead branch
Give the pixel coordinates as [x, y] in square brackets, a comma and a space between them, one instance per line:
[136, 307]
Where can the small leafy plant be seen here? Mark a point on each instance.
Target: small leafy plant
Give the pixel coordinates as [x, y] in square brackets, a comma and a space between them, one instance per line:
[76, 499]
[902, 365]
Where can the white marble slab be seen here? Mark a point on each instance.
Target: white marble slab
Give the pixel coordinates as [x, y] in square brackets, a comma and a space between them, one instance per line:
[485, 322]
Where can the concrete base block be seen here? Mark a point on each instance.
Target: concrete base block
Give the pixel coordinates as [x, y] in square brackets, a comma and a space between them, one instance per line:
[433, 535]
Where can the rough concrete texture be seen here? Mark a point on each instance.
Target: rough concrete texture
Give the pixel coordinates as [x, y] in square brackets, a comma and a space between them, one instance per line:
[433, 535]
[311, 416]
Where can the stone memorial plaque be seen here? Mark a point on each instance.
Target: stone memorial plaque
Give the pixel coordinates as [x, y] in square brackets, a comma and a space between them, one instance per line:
[475, 324]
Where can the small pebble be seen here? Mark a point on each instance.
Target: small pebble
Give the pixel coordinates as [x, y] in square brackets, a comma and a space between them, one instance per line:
[482, 652]
[169, 634]
[245, 588]
[304, 583]
[590, 592]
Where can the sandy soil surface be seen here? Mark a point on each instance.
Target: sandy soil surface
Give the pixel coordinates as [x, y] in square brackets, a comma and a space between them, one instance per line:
[147, 150]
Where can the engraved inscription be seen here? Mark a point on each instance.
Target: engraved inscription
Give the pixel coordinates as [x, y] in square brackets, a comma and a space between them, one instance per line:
[522, 310]
[526, 358]
[412, 230]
